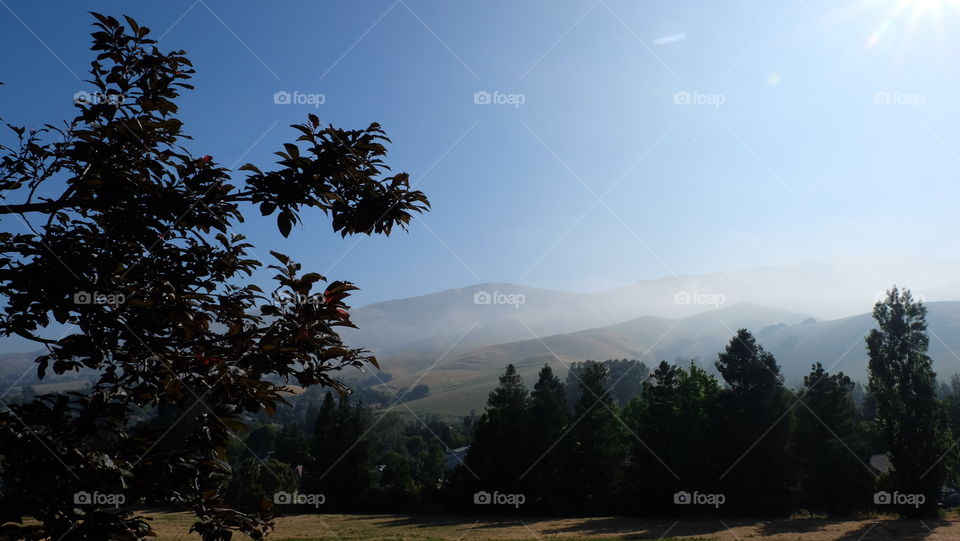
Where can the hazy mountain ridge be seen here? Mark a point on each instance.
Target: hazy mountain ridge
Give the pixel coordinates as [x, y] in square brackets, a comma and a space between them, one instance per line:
[796, 340]
[416, 331]
[468, 335]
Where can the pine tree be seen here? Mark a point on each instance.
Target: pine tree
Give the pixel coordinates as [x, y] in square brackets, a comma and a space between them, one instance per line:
[910, 416]
[340, 469]
[500, 453]
[598, 448]
[547, 422]
[830, 447]
[752, 429]
[672, 419]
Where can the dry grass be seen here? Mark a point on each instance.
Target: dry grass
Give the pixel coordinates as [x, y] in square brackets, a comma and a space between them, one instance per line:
[173, 527]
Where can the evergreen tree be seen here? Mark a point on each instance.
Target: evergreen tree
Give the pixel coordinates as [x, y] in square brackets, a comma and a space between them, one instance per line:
[547, 422]
[500, 453]
[597, 445]
[340, 469]
[752, 429]
[910, 416]
[256, 481]
[263, 441]
[672, 418]
[830, 446]
[625, 379]
[292, 447]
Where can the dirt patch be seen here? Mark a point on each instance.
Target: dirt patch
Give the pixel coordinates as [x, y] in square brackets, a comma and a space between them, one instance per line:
[173, 527]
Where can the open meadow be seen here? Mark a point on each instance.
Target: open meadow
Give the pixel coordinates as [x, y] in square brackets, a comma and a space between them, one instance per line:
[172, 527]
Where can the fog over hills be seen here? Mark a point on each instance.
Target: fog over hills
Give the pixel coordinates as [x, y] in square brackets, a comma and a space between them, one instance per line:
[418, 330]
[458, 341]
[462, 383]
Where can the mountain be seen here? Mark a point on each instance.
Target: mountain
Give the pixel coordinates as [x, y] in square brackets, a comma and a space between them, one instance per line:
[462, 382]
[422, 328]
[839, 343]
[415, 332]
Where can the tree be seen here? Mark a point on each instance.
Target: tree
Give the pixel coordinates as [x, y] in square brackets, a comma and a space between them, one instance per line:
[129, 241]
[830, 447]
[340, 465]
[753, 429]
[255, 481]
[547, 422]
[952, 403]
[597, 445]
[903, 382]
[263, 441]
[672, 417]
[499, 455]
[625, 379]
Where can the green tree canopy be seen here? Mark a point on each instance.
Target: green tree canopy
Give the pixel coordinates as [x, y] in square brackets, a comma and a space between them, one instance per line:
[129, 244]
[903, 383]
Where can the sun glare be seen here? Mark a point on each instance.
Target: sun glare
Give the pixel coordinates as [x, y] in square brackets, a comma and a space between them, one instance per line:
[908, 17]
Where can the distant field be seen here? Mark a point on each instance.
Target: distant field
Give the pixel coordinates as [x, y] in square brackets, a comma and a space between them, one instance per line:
[172, 527]
[457, 392]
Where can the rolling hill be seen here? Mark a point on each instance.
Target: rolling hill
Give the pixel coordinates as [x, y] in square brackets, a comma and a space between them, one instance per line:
[461, 383]
[412, 333]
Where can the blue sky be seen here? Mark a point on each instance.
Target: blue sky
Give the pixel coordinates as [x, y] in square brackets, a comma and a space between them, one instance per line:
[788, 151]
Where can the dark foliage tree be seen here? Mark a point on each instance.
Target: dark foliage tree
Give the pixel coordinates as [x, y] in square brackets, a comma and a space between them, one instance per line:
[909, 415]
[256, 480]
[263, 441]
[500, 453]
[625, 379]
[292, 447]
[129, 241]
[672, 418]
[951, 401]
[597, 443]
[830, 447]
[340, 468]
[547, 422]
[753, 429]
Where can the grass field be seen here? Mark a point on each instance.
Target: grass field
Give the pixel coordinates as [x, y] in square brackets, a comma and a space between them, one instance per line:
[173, 527]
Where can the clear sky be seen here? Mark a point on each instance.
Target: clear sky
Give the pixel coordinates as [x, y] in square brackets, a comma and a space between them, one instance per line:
[636, 139]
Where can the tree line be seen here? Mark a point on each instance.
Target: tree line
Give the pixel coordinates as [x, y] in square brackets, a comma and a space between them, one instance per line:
[614, 437]
[741, 444]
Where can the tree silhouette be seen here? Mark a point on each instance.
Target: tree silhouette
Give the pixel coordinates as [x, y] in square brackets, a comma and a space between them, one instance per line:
[911, 418]
[829, 445]
[753, 429]
[672, 417]
[597, 443]
[128, 243]
[500, 452]
[547, 421]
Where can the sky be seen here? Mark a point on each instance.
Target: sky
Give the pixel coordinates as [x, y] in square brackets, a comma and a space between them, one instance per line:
[573, 145]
